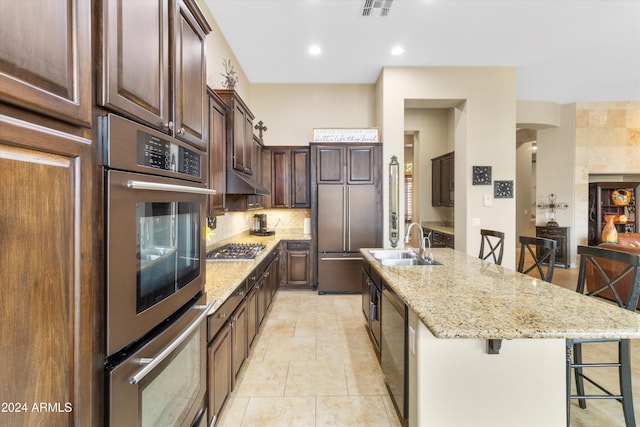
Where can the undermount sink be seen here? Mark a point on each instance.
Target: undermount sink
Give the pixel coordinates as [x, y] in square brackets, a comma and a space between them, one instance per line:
[393, 254]
[400, 257]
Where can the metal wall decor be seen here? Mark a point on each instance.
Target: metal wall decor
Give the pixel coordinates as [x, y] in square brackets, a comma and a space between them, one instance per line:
[552, 206]
[481, 175]
[503, 189]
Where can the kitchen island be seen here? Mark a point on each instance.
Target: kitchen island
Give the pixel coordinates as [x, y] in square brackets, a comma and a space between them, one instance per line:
[454, 308]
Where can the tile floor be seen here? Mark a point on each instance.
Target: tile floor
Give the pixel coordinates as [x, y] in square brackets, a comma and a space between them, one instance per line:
[313, 365]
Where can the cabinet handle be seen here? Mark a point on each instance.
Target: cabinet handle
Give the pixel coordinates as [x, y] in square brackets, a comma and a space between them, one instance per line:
[241, 293]
[181, 131]
[222, 315]
[168, 125]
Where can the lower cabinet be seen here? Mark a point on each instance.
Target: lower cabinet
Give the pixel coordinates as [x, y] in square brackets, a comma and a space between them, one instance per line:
[296, 268]
[371, 293]
[232, 329]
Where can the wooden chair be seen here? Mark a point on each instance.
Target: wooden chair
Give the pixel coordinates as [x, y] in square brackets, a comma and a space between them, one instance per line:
[628, 263]
[543, 251]
[492, 242]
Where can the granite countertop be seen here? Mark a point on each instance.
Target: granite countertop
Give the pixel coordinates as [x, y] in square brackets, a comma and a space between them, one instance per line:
[466, 297]
[223, 277]
[438, 226]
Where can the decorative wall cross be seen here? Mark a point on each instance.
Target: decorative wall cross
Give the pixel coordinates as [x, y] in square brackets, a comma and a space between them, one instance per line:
[552, 206]
[260, 127]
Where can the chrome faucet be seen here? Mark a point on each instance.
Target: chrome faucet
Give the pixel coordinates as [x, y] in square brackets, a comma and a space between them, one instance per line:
[423, 254]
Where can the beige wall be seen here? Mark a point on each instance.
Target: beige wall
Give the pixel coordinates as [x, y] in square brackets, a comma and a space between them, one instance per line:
[484, 129]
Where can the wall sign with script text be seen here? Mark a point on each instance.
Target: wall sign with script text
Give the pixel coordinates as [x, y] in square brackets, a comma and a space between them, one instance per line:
[346, 135]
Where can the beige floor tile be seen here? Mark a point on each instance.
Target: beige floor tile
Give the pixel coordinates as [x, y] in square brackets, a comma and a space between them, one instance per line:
[361, 411]
[280, 412]
[299, 312]
[273, 326]
[291, 349]
[316, 328]
[316, 379]
[262, 379]
[233, 412]
[365, 379]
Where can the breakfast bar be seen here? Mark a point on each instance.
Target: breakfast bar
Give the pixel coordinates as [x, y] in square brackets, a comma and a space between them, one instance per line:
[456, 307]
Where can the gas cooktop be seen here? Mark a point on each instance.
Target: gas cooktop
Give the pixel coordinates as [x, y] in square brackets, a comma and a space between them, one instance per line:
[236, 252]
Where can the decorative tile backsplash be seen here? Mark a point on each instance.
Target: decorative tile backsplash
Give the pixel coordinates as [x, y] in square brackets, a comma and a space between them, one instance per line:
[233, 223]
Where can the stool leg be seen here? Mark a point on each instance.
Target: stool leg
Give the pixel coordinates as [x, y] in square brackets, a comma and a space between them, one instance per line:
[625, 382]
[577, 359]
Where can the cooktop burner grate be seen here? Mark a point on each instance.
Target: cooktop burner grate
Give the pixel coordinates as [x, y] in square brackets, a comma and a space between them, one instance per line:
[236, 252]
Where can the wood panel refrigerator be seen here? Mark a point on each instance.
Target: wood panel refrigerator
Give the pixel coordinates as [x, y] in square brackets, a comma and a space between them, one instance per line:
[348, 219]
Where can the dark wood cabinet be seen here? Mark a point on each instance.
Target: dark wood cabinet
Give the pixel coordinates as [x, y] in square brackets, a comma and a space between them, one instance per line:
[170, 94]
[561, 236]
[443, 180]
[345, 164]
[297, 263]
[290, 177]
[601, 204]
[440, 239]
[217, 153]
[239, 132]
[239, 350]
[45, 60]
[49, 273]
[252, 314]
[219, 367]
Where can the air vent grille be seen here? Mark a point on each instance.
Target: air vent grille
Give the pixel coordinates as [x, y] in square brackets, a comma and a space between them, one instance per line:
[376, 7]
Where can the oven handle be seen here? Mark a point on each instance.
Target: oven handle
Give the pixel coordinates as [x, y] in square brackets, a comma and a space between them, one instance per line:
[150, 364]
[142, 185]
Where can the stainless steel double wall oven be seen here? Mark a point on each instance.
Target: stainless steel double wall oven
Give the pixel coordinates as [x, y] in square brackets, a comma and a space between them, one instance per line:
[155, 199]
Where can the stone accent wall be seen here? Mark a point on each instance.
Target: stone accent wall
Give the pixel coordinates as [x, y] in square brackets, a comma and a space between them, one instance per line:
[607, 141]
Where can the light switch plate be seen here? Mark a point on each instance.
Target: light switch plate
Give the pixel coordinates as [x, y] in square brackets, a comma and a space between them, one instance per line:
[486, 200]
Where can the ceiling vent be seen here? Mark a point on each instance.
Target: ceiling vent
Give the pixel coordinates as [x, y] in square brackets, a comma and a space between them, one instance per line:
[376, 7]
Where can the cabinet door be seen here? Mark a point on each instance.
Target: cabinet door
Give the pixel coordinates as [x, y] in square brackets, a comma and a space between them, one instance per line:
[331, 230]
[262, 287]
[436, 182]
[219, 387]
[217, 154]
[300, 179]
[446, 181]
[248, 144]
[298, 263]
[189, 79]
[137, 84]
[330, 165]
[238, 138]
[360, 166]
[238, 338]
[267, 180]
[46, 262]
[363, 226]
[252, 316]
[280, 177]
[45, 60]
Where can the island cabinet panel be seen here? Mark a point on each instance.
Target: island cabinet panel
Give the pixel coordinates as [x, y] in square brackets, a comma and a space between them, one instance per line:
[48, 303]
[166, 86]
[45, 60]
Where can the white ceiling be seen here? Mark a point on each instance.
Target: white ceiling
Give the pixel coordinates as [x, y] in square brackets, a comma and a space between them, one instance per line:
[562, 50]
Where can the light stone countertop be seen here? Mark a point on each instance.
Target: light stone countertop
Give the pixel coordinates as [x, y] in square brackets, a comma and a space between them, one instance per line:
[469, 298]
[223, 277]
[436, 226]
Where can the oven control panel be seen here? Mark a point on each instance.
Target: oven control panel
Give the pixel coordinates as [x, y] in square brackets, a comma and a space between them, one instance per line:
[158, 153]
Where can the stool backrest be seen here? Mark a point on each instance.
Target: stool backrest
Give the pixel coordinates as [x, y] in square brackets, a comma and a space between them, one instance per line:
[543, 252]
[610, 277]
[491, 245]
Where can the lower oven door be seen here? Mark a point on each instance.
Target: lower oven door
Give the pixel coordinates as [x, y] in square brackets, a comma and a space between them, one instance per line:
[164, 382]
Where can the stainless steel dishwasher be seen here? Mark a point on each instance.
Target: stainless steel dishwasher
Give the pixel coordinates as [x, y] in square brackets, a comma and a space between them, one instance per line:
[393, 351]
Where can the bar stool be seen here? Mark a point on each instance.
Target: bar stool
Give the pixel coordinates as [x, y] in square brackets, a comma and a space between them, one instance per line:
[546, 248]
[626, 268]
[492, 241]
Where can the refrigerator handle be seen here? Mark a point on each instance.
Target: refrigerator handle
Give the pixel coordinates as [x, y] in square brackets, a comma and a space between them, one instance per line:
[345, 222]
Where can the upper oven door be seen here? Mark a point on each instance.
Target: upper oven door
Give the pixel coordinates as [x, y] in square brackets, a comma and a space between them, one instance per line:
[155, 251]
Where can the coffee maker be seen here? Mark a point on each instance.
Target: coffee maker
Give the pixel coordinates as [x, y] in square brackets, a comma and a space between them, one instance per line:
[260, 225]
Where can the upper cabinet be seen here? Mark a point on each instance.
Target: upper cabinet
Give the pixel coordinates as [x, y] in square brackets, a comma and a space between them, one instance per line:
[290, 180]
[442, 180]
[345, 164]
[45, 60]
[240, 145]
[153, 65]
[217, 153]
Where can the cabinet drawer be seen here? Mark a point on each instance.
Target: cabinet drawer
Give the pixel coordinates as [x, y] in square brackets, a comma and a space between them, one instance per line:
[299, 245]
[221, 315]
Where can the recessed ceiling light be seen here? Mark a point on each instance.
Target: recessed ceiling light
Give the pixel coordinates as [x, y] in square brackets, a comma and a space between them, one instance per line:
[397, 50]
[314, 50]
